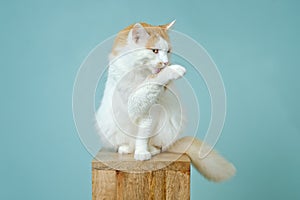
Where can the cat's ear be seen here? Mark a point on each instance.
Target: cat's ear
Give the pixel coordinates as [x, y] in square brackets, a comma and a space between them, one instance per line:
[169, 25]
[138, 34]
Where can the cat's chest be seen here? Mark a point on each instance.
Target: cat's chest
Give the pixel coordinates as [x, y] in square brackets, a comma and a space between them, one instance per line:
[131, 80]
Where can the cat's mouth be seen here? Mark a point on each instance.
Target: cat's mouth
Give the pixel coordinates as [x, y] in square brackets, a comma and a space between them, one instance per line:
[156, 70]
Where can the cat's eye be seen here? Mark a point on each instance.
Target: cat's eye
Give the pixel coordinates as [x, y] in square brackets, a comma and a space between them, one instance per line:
[155, 51]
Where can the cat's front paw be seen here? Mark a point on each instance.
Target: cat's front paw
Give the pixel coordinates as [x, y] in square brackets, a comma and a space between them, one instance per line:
[142, 155]
[176, 71]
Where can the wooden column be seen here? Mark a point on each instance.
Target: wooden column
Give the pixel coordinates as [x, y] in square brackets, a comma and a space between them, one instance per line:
[120, 177]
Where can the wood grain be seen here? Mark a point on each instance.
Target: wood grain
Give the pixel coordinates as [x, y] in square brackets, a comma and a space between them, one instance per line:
[177, 185]
[115, 161]
[165, 176]
[104, 184]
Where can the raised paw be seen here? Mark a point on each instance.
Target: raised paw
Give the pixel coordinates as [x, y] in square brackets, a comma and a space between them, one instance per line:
[142, 155]
[176, 71]
[125, 149]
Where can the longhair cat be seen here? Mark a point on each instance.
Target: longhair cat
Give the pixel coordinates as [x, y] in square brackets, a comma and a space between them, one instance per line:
[140, 77]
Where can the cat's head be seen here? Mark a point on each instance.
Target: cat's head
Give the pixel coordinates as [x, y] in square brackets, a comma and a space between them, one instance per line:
[150, 43]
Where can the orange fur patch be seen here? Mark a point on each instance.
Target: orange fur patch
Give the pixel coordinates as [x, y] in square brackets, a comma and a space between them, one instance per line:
[154, 31]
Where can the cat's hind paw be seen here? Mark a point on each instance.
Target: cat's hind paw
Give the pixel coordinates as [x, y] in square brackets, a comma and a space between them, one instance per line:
[125, 149]
[153, 150]
[142, 155]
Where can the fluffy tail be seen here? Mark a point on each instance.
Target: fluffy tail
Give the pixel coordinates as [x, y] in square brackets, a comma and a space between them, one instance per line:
[213, 167]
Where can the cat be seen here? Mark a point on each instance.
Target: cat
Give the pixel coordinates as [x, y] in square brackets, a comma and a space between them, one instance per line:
[140, 77]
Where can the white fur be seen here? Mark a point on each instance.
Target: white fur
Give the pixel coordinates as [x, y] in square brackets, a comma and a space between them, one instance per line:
[130, 92]
[213, 167]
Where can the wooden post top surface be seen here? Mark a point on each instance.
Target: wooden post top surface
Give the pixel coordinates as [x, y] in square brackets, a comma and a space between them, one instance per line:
[106, 160]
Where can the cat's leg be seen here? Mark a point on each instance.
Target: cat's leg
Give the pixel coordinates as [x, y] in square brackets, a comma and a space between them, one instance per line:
[147, 94]
[139, 104]
[141, 149]
[141, 142]
[168, 74]
[144, 151]
[125, 149]
[141, 101]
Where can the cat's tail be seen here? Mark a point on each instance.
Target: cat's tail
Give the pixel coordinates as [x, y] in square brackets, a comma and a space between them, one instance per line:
[213, 167]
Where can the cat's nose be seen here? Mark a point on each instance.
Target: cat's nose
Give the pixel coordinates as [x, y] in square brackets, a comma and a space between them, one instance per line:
[165, 63]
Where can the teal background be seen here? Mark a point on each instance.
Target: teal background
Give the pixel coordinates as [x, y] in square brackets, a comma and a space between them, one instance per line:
[255, 44]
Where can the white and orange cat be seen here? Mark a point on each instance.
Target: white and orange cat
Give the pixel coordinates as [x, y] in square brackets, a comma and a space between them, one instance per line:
[140, 76]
